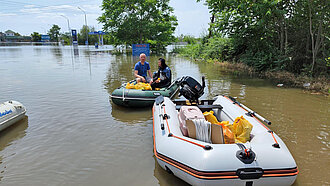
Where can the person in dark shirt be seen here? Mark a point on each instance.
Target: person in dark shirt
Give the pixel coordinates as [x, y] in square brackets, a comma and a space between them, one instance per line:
[141, 68]
[162, 77]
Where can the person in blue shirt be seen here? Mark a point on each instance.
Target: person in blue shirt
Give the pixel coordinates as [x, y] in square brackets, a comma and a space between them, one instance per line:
[161, 78]
[141, 68]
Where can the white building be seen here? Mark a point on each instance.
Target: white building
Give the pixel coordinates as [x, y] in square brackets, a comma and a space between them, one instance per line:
[9, 33]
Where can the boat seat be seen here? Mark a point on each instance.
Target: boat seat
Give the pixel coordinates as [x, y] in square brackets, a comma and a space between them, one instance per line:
[203, 108]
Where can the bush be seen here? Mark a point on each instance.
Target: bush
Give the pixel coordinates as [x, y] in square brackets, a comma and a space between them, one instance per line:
[218, 48]
[215, 48]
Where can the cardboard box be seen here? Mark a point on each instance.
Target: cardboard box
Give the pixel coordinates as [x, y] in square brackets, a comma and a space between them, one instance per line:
[216, 132]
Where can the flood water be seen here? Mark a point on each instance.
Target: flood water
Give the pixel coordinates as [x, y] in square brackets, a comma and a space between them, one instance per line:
[73, 135]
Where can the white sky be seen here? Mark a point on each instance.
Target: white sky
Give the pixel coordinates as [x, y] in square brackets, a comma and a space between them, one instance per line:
[26, 16]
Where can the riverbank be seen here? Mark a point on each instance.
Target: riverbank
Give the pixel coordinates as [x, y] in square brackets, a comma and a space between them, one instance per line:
[318, 85]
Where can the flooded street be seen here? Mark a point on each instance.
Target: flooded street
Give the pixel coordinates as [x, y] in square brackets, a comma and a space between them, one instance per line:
[73, 135]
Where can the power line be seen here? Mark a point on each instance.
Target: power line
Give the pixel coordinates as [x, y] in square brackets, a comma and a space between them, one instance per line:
[20, 4]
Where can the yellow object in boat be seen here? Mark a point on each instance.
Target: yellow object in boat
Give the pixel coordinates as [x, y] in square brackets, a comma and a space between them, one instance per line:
[242, 129]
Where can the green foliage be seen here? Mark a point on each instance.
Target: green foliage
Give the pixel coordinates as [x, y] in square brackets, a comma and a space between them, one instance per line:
[193, 51]
[82, 36]
[66, 37]
[271, 34]
[54, 32]
[216, 48]
[139, 21]
[36, 36]
[187, 38]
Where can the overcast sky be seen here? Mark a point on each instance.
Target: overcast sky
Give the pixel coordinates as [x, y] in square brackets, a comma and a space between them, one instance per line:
[25, 17]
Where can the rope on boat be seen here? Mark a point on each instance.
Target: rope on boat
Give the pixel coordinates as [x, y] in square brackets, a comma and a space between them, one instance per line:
[124, 94]
[206, 147]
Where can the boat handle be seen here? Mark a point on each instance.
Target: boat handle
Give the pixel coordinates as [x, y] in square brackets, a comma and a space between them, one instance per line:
[249, 173]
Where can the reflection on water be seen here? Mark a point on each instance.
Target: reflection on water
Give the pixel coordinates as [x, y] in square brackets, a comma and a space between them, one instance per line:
[9, 136]
[75, 136]
[75, 50]
[165, 178]
[13, 133]
[130, 116]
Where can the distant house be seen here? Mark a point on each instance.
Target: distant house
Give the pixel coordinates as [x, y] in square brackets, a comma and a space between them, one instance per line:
[9, 33]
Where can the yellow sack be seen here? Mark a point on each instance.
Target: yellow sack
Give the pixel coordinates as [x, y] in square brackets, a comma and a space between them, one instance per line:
[130, 86]
[147, 86]
[242, 129]
[139, 86]
[143, 86]
[209, 116]
[227, 133]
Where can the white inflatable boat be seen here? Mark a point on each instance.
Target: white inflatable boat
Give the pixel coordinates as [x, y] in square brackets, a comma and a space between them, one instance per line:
[10, 113]
[264, 160]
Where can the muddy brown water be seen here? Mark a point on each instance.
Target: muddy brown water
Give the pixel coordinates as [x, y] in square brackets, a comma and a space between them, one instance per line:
[73, 135]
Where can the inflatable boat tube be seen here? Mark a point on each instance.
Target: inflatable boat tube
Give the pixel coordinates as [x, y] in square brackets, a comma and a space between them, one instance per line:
[141, 98]
[10, 113]
[264, 160]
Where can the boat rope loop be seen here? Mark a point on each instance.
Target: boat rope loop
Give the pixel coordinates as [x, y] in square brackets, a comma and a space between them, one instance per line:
[203, 130]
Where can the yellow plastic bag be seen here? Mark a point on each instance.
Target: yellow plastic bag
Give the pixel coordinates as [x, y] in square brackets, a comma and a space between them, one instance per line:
[139, 86]
[143, 86]
[209, 116]
[227, 133]
[147, 86]
[242, 129]
[130, 86]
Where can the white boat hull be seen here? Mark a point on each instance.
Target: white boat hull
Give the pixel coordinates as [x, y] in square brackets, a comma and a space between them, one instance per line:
[189, 160]
[10, 113]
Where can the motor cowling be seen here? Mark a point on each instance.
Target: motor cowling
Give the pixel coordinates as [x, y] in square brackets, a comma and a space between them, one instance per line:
[191, 89]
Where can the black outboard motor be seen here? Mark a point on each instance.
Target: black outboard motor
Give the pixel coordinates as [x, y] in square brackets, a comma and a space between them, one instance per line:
[191, 89]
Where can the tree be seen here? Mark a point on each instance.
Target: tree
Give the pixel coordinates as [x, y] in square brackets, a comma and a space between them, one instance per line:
[275, 34]
[82, 35]
[318, 16]
[54, 32]
[66, 37]
[139, 21]
[35, 37]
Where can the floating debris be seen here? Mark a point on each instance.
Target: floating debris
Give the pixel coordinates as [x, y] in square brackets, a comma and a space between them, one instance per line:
[306, 84]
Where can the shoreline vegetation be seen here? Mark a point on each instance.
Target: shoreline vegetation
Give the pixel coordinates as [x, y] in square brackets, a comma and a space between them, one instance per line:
[286, 42]
[313, 85]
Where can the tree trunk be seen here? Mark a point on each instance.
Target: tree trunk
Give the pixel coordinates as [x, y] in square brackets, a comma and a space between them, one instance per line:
[286, 39]
[210, 29]
[312, 35]
[282, 36]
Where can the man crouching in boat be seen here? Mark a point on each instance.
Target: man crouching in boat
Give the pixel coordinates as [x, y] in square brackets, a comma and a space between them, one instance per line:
[162, 77]
[141, 68]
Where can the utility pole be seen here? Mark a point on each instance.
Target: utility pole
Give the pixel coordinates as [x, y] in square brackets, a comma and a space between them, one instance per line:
[86, 26]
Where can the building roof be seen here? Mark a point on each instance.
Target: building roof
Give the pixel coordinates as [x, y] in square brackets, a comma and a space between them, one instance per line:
[9, 31]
